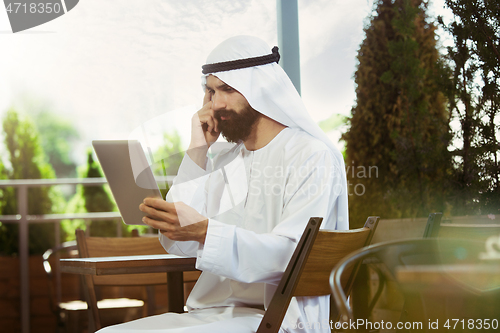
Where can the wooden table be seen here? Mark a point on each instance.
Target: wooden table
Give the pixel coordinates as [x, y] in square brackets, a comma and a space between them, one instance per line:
[444, 278]
[454, 293]
[171, 264]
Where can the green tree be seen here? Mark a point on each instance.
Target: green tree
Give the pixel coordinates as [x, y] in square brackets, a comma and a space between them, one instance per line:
[57, 138]
[396, 146]
[76, 204]
[475, 103]
[8, 232]
[168, 158]
[57, 133]
[97, 199]
[27, 161]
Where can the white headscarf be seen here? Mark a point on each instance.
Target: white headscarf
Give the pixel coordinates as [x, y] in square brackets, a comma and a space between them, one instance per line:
[268, 89]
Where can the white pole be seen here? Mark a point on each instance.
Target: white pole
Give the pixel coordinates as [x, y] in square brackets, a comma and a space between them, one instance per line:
[288, 39]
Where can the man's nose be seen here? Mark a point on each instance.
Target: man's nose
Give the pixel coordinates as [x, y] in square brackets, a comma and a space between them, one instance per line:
[218, 102]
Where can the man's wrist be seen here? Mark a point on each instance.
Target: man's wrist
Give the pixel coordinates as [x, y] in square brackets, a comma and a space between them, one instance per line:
[198, 155]
[203, 231]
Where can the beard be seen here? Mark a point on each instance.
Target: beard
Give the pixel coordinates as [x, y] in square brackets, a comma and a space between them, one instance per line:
[237, 126]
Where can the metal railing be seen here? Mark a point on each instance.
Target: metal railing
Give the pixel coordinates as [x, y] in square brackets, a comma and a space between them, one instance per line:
[23, 219]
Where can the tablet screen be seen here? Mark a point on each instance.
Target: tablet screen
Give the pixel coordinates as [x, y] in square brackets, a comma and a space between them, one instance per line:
[128, 174]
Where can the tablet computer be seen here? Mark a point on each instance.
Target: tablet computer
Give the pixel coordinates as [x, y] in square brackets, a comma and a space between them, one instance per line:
[129, 176]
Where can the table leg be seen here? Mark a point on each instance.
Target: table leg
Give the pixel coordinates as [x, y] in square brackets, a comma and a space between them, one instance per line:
[90, 297]
[150, 291]
[175, 286]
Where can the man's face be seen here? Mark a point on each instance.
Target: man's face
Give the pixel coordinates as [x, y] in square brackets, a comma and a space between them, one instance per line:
[234, 115]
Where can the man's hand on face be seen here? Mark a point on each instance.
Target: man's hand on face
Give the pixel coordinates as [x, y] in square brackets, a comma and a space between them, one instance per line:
[204, 131]
[167, 218]
[204, 125]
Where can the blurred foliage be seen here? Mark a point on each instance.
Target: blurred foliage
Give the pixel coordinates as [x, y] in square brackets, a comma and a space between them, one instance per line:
[57, 137]
[334, 121]
[170, 152]
[75, 205]
[58, 134]
[97, 199]
[474, 95]
[396, 146]
[168, 158]
[27, 161]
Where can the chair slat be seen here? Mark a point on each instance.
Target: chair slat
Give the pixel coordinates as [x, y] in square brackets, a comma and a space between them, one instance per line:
[327, 250]
[114, 246]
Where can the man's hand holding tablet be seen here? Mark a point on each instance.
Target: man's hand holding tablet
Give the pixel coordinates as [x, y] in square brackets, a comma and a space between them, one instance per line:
[177, 221]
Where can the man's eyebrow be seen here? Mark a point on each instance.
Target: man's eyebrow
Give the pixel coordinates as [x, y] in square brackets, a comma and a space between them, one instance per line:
[224, 86]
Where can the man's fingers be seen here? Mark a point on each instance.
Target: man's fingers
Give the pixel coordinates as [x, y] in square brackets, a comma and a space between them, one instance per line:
[177, 221]
[210, 123]
[207, 116]
[171, 231]
[160, 204]
[160, 215]
[151, 222]
[207, 97]
[216, 125]
[160, 225]
[207, 107]
[205, 127]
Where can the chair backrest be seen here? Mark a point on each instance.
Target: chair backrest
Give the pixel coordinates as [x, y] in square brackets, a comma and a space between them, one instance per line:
[396, 229]
[116, 246]
[329, 247]
[307, 272]
[53, 273]
[433, 225]
[477, 231]
[121, 246]
[422, 251]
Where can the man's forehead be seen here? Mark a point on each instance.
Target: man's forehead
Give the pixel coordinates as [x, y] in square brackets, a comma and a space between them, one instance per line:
[214, 82]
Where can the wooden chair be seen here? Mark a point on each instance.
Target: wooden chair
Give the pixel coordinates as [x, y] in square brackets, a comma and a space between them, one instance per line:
[307, 273]
[68, 312]
[363, 305]
[115, 246]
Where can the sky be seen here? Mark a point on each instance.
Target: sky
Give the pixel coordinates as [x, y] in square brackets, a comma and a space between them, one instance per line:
[117, 68]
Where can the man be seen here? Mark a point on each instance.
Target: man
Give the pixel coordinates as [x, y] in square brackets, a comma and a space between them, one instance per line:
[242, 210]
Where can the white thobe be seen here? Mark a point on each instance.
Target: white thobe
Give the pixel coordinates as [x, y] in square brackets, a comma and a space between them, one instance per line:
[258, 204]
